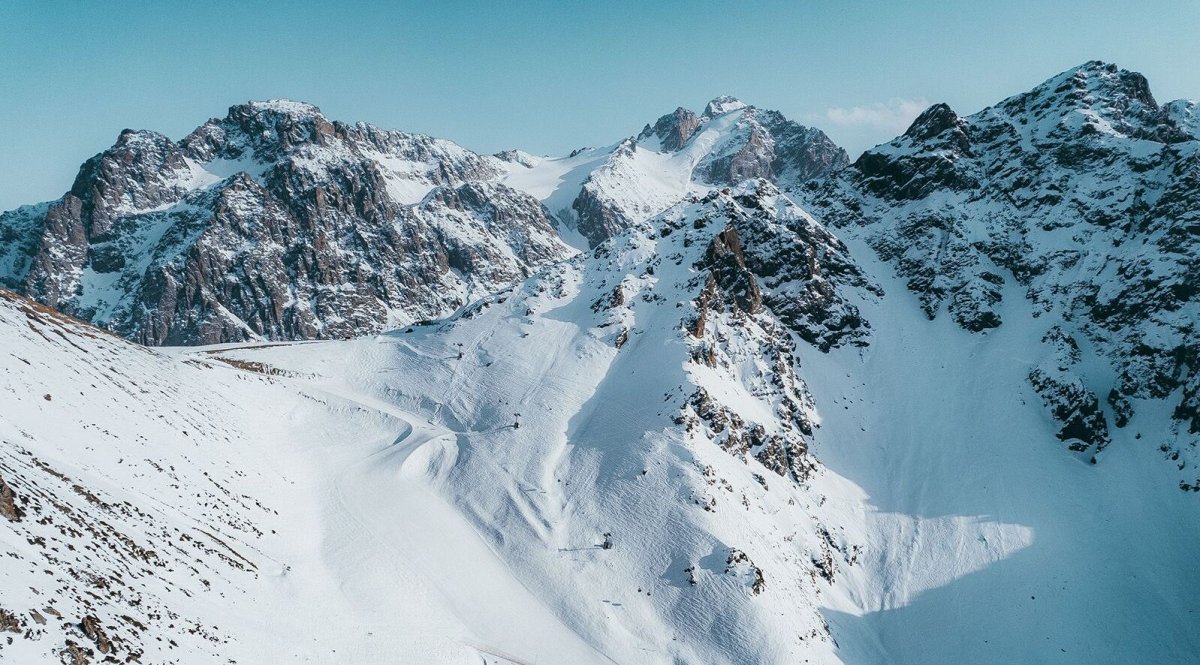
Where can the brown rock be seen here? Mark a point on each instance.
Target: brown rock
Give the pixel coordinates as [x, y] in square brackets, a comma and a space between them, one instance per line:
[9, 507]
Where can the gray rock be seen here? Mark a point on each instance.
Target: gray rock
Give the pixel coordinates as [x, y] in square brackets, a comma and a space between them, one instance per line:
[1083, 191]
[304, 240]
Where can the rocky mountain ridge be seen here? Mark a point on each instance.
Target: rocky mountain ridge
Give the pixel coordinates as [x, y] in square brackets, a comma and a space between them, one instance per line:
[1079, 198]
[712, 394]
[275, 223]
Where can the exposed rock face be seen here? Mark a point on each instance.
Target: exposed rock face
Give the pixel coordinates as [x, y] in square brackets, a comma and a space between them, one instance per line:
[346, 267]
[1068, 400]
[9, 622]
[602, 208]
[1082, 195]
[763, 270]
[277, 223]
[805, 271]
[767, 145]
[727, 264]
[10, 509]
[142, 170]
[673, 130]
[91, 627]
[785, 453]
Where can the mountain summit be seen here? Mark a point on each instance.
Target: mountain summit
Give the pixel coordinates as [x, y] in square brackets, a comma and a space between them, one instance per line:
[274, 222]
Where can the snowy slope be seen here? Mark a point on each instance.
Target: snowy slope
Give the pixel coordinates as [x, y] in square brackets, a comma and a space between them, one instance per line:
[984, 541]
[186, 509]
[933, 521]
[929, 408]
[379, 504]
[607, 449]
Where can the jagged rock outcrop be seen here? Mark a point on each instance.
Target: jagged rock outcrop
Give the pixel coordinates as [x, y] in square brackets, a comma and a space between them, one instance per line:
[673, 130]
[10, 507]
[276, 223]
[803, 268]
[763, 270]
[1083, 425]
[727, 270]
[765, 144]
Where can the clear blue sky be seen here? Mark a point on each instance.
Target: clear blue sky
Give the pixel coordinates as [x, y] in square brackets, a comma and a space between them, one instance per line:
[543, 76]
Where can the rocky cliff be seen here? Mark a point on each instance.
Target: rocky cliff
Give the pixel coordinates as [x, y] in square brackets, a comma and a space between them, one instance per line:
[275, 223]
[1075, 202]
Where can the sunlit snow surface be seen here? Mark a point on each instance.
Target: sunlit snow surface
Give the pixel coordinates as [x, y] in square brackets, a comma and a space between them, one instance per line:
[387, 509]
[444, 493]
[990, 543]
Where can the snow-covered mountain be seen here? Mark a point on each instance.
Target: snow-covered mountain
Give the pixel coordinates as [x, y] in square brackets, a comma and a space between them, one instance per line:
[557, 431]
[600, 191]
[1080, 200]
[275, 223]
[709, 395]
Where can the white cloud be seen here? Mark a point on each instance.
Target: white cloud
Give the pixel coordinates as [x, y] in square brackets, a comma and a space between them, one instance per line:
[893, 116]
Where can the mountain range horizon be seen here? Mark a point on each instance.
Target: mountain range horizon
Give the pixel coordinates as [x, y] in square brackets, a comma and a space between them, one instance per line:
[294, 389]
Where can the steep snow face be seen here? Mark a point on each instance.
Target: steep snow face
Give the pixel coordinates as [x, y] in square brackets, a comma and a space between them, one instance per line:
[274, 223]
[1080, 197]
[601, 191]
[982, 540]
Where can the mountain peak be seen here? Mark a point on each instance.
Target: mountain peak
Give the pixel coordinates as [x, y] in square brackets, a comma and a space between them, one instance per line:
[264, 127]
[140, 138]
[287, 107]
[1092, 85]
[933, 121]
[279, 116]
[673, 129]
[722, 105]
[1094, 97]
[1108, 80]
